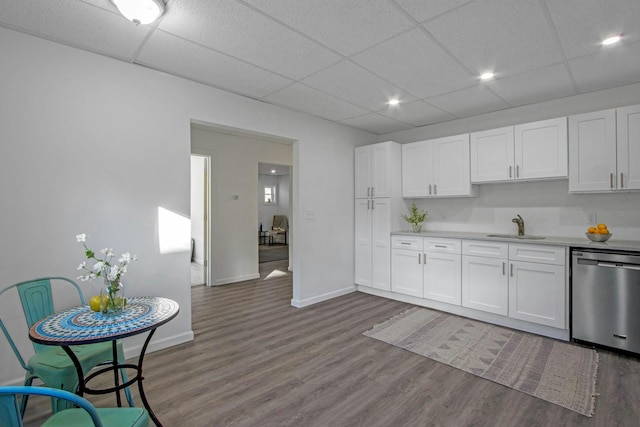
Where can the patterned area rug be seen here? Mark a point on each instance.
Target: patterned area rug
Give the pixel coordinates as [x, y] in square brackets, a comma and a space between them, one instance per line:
[555, 371]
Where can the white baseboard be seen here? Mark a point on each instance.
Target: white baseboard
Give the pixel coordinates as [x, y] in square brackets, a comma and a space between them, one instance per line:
[155, 345]
[319, 298]
[237, 279]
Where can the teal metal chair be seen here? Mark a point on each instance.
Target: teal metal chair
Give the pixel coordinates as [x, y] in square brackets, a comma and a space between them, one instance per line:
[50, 363]
[83, 416]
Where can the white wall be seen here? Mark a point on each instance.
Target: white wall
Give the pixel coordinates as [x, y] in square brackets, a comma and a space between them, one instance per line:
[197, 207]
[547, 207]
[95, 145]
[281, 207]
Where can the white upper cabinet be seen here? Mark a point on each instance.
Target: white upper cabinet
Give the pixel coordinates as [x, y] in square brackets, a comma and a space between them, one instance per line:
[604, 150]
[528, 151]
[628, 147]
[373, 170]
[436, 168]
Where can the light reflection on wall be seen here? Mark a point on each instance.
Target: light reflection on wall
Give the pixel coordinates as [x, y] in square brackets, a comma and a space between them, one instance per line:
[174, 232]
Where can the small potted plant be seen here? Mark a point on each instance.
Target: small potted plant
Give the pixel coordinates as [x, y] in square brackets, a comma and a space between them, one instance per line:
[416, 218]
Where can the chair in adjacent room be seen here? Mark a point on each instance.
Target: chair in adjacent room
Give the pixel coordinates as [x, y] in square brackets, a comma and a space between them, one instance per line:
[50, 363]
[279, 229]
[83, 416]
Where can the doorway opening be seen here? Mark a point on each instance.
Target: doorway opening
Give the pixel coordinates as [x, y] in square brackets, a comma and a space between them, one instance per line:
[200, 208]
[274, 212]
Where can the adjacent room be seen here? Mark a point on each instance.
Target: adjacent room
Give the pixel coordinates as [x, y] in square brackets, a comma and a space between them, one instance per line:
[330, 213]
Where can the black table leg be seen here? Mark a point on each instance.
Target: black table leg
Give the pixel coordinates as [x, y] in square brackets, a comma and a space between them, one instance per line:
[143, 396]
[116, 375]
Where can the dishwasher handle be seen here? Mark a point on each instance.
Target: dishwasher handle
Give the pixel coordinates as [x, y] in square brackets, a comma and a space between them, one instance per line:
[619, 265]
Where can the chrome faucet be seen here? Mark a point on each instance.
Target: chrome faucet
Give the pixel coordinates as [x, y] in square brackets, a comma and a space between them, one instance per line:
[520, 223]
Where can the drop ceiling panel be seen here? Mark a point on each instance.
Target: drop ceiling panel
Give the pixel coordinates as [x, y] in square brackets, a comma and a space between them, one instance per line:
[608, 68]
[303, 98]
[417, 113]
[504, 36]
[416, 64]
[237, 30]
[534, 86]
[582, 25]
[352, 83]
[376, 123]
[177, 56]
[468, 102]
[422, 10]
[76, 23]
[346, 26]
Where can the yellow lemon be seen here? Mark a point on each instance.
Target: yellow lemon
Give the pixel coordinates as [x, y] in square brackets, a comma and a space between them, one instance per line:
[94, 303]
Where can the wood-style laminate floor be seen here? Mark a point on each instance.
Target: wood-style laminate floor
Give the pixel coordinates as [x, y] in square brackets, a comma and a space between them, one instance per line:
[257, 361]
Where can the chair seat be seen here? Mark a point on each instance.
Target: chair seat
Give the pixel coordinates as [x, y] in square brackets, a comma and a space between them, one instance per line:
[53, 359]
[116, 417]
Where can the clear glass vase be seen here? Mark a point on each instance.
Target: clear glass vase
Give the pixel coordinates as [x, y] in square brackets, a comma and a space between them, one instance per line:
[416, 227]
[112, 300]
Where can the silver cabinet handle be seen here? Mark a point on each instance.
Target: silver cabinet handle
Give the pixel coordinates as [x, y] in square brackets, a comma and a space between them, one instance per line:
[368, 191]
[429, 188]
[372, 191]
[425, 258]
[511, 268]
[368, 204]
[373, 204]
[405, 243]
[503, 268]
[510, 169]
[419, 258]
[441, 246]
[611, 180]
[517, 171]
[435, 189]
[621, 180]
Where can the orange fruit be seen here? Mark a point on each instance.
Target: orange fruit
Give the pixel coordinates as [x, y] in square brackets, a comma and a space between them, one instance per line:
[592, 230]
[602, 226]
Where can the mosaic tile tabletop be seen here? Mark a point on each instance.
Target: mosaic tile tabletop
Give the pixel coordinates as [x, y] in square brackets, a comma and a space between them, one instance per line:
[80, 325]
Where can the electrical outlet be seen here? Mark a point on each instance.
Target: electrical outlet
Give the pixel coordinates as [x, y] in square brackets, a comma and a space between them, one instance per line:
[592, 218]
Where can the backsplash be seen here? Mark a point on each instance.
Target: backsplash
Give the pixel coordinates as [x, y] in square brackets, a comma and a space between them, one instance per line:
[546, 207]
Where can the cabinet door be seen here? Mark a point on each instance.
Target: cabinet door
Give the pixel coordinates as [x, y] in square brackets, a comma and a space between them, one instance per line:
[485, 284]
[628, 119]
[417, 169]
[492, 155]
[451, 166]
[442, 276]
[381, 240]
[592, 151]
[363, 164]
[406, 272]
[537, 293]
[381, 170]
[540, 149]
[364, 246]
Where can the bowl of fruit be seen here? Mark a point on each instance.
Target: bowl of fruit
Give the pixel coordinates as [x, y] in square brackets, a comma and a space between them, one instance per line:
[599, 233]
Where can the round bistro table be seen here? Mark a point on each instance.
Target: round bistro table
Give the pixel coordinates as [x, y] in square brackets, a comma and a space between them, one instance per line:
[79, 325]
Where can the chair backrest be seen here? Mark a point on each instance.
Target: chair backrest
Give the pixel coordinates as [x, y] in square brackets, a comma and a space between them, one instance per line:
[36, 298]
[10, 412]
[281, 221]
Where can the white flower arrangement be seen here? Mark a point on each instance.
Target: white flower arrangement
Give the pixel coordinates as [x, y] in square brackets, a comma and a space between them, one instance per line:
[105, 265]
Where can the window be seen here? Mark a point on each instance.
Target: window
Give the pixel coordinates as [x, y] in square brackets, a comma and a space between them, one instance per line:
[270, 195]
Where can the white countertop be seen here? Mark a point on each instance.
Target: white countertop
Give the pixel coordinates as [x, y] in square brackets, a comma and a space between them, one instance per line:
[574, 242]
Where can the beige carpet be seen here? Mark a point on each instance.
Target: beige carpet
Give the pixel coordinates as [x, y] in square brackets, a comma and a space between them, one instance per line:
[558, 372]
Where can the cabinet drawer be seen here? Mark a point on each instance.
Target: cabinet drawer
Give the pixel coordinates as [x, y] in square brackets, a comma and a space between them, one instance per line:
[449, 246]
[485, 249]
[407, 242]
[540, 254]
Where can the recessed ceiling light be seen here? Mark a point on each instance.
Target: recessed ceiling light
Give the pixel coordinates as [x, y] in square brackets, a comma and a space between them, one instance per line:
[273, 171]
[486, 76]
[393, 102]
[611, 40]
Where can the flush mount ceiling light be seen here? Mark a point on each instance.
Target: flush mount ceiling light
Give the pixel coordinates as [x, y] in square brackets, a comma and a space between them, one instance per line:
[140, 11]
[393, 102]
[486, 76]
[611, 40]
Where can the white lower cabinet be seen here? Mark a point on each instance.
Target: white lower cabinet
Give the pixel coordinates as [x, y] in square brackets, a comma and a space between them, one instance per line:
[485, 283]
[537, 290]
[427, 268]
[525, 282]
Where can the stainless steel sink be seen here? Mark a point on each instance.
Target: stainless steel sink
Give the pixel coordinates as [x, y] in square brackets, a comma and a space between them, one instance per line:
[515, 236]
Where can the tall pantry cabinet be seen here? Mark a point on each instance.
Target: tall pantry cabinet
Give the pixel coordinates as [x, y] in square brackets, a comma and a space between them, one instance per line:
[377, 211]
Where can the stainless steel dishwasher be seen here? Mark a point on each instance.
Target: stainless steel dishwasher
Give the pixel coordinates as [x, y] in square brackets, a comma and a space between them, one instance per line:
[605, 298]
